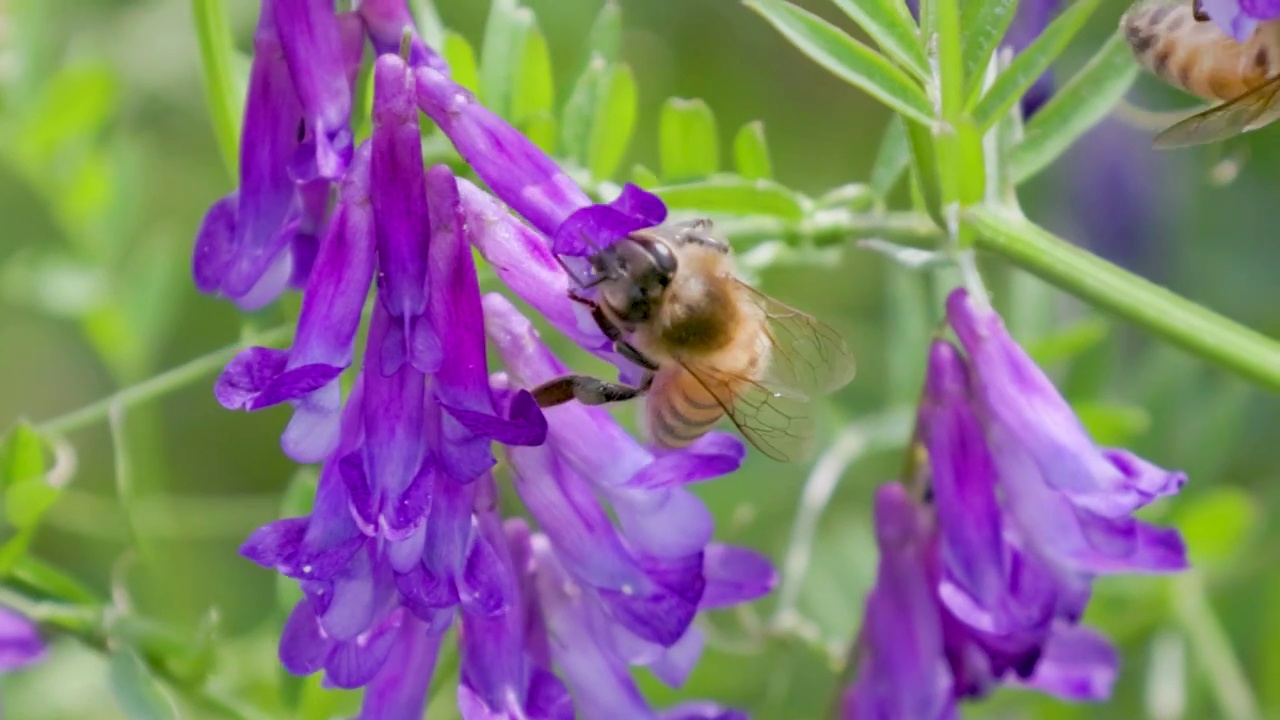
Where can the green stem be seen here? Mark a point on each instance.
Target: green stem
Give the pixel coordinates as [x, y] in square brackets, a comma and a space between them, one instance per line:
[1212, 648]
[830, 227]
[160, 384]
[1176, 319]
[216, 55]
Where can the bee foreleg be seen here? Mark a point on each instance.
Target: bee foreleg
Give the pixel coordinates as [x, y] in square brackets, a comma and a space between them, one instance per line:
[586, 390]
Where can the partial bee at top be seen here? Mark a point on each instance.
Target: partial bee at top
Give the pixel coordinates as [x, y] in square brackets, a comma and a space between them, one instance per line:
[1177, 42]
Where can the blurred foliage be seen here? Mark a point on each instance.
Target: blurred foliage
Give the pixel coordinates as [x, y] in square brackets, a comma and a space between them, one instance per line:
[109, 157]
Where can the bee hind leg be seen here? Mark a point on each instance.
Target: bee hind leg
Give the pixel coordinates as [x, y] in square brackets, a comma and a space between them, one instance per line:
[587, 390]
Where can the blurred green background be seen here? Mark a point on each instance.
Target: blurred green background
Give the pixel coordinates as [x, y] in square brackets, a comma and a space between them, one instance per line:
[108, 161]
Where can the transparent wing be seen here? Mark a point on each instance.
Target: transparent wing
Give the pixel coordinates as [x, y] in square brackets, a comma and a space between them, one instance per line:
[806, 360]
[1249, 111]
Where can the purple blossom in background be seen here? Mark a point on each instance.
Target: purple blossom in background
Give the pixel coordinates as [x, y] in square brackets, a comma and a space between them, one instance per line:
[986, 582]
[20, 644]
[1239, 18]
[405, 537]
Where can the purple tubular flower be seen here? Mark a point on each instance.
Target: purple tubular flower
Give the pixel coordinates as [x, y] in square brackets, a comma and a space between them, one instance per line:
[470, 421]
[1071, 500]
[20, 644]
[241, 251]
[307, 374]
[387, 22]
[500, 679]
[400, 205]
[903, 673]
[1239, 18]
[519, 173]
[588, 651]
[313, 47]
[399, 690]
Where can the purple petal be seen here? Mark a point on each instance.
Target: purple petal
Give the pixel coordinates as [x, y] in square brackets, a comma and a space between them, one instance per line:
[1231, 16]
[400, 207]
[668, 523]
[399, 690]
[20, 644]
[1078, 664]
[313, 49]
[674, 666]
[513, 167]
[702, 710]
[425, 592]
[735, 575]
[481, 587]
[215, 244]
[592, 229]
[303, 644]
[712, 455]
[313, 432]
[353, 663]
[387, 22]
[248, 374]
[526, 425]
[548, 697]
[662, 613]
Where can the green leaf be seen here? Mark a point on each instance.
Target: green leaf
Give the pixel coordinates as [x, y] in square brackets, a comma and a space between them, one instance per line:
[500, 51]
[136, 690]
[983, 24]
[733, 195]
[890, 24]
[848, 59]
[1029, 65]
[644, 177]
[51, 582]
[428, 22]
[615, 120]
[1113, 424]
[892, 158]
[533, 94]
[751, 152]
[604, 39]
[217, 59]
[579, 111]
[462, 61]
[1216, 525]
[28, 495]
[688, 147]
[925, 164]
[1075, 108]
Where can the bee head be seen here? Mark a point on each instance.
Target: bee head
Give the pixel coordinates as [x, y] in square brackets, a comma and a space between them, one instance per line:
[637, 271]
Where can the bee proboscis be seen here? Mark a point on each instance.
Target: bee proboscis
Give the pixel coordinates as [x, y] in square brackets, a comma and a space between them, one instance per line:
[712, 346]
[1177, 43]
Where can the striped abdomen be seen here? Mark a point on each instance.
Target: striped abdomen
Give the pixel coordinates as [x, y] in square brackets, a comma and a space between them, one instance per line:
[680, 408]
[1198, 56]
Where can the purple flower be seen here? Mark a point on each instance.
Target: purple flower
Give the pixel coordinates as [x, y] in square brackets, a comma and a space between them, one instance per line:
[1071, 499]
[1239, 18]
[295, 139]
[20, 644]
[307, 374]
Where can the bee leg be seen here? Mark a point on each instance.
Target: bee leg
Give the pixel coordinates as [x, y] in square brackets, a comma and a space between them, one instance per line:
[586, 390]
[1197, 11]
[629, 351]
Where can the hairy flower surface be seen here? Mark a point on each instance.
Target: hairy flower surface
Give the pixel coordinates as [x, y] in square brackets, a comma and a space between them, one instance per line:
[985, 582]
[405, 538]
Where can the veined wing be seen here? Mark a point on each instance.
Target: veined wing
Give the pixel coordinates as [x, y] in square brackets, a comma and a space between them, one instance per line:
[1249, 111]
[805, 360]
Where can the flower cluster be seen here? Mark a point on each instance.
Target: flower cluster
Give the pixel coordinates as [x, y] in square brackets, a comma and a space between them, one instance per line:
[986, 581]
[405, 538]
[1239, 18]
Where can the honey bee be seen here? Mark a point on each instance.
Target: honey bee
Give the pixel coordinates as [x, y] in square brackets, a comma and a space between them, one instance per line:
[711, 346]
[1178, 44]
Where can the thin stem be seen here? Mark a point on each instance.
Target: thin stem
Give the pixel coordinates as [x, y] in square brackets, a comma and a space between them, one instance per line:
[161, 384]
[1211, 648]
[830, 227]
[1178, 320]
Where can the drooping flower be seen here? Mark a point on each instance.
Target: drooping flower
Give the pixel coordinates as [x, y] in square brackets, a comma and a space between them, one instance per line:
[295, 139]
[1239, 18]
[985, 582]
[20, 643]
